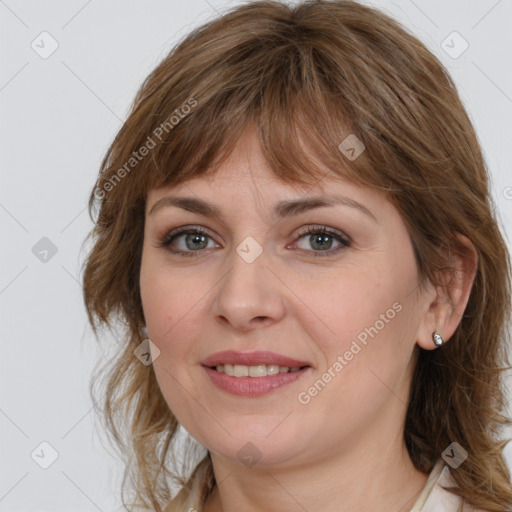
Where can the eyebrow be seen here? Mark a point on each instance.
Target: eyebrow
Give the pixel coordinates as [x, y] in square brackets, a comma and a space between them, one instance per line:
[285, 208]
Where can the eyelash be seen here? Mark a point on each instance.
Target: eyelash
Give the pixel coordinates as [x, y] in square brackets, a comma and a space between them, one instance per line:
[308, 230]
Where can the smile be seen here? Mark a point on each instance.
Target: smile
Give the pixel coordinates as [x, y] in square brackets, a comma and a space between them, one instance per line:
[262, 381]
[253, 374]
[261, 370]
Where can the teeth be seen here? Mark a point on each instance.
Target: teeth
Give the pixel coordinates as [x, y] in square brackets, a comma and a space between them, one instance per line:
[261, 370]
[257, 371]
[273, 369]
[240, 371]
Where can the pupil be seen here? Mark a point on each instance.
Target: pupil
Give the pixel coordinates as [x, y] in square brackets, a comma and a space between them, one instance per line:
[195, 238]
[323, 245]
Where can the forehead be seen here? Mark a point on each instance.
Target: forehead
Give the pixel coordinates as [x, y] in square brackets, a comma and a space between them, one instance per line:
[244, 177]
[246, 168]
[211, 196]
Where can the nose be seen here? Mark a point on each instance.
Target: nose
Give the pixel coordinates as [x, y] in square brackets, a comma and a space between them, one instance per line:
[249, 295]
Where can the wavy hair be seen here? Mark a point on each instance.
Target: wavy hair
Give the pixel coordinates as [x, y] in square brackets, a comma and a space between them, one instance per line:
[309, 75]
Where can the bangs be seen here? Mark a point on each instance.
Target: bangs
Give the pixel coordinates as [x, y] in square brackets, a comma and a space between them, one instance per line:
[299, 114]
[326, 104]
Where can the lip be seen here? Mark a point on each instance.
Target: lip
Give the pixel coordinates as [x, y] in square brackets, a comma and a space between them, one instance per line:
[252, 386]
[251, 359]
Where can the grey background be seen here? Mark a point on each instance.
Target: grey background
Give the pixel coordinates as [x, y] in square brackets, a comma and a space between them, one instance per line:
[58, 116]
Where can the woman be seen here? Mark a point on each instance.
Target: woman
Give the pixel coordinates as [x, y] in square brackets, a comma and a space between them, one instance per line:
[295, 226]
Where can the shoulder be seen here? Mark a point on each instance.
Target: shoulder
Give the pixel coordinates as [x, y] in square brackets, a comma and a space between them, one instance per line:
[438, 498]
[186, 501]
[191, 497]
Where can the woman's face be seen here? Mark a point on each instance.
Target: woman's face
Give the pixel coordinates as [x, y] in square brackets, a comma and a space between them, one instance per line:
[344, 305]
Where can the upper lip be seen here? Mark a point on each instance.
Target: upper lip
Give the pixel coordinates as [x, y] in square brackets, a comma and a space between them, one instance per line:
[252, 359]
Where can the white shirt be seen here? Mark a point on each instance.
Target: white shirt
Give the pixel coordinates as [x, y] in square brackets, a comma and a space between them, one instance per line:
[434, 498]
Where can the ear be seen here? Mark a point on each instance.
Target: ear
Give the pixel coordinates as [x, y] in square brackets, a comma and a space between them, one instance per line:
[449, 296]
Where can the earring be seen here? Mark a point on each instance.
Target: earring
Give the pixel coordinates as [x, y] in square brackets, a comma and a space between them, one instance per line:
[438, 339]
[143, 331]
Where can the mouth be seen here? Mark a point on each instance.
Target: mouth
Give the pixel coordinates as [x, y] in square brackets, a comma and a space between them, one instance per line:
[261, 370]
[252, 364]
[253, 374]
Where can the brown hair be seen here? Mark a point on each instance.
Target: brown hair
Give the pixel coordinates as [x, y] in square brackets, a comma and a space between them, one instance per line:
[308, 76]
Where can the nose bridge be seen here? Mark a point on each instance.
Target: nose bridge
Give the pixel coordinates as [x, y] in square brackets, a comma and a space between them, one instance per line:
[247, 290]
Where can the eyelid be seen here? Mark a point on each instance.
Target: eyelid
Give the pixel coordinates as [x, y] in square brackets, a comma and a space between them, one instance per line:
[323, 228]
[164, 242]
[343, 240]
[169, 234]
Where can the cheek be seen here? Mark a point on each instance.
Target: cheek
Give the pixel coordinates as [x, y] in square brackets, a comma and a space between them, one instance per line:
[161, 294]
[173, 306]
[158, 302]
[339, 306]
[363, 316]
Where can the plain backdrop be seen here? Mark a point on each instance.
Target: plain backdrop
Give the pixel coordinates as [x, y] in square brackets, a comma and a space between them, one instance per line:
[69, 71]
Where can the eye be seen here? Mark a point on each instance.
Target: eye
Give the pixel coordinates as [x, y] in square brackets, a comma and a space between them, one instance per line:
[191, 241]
[320, 238]
[187, 241]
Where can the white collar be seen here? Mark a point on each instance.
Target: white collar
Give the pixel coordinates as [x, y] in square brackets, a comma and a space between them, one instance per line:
[434, 498]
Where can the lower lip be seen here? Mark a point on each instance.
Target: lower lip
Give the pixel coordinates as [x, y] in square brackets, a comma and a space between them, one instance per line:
[252, 386]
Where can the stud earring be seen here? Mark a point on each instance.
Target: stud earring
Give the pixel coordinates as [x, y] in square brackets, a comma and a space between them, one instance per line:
[438, 339]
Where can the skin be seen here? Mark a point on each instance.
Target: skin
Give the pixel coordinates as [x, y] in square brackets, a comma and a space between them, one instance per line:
[344, 449]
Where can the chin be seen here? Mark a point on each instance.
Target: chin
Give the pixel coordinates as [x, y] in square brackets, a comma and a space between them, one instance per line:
[251, 445]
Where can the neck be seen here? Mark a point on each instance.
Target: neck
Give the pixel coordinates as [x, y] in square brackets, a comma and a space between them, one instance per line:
[387, 482]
